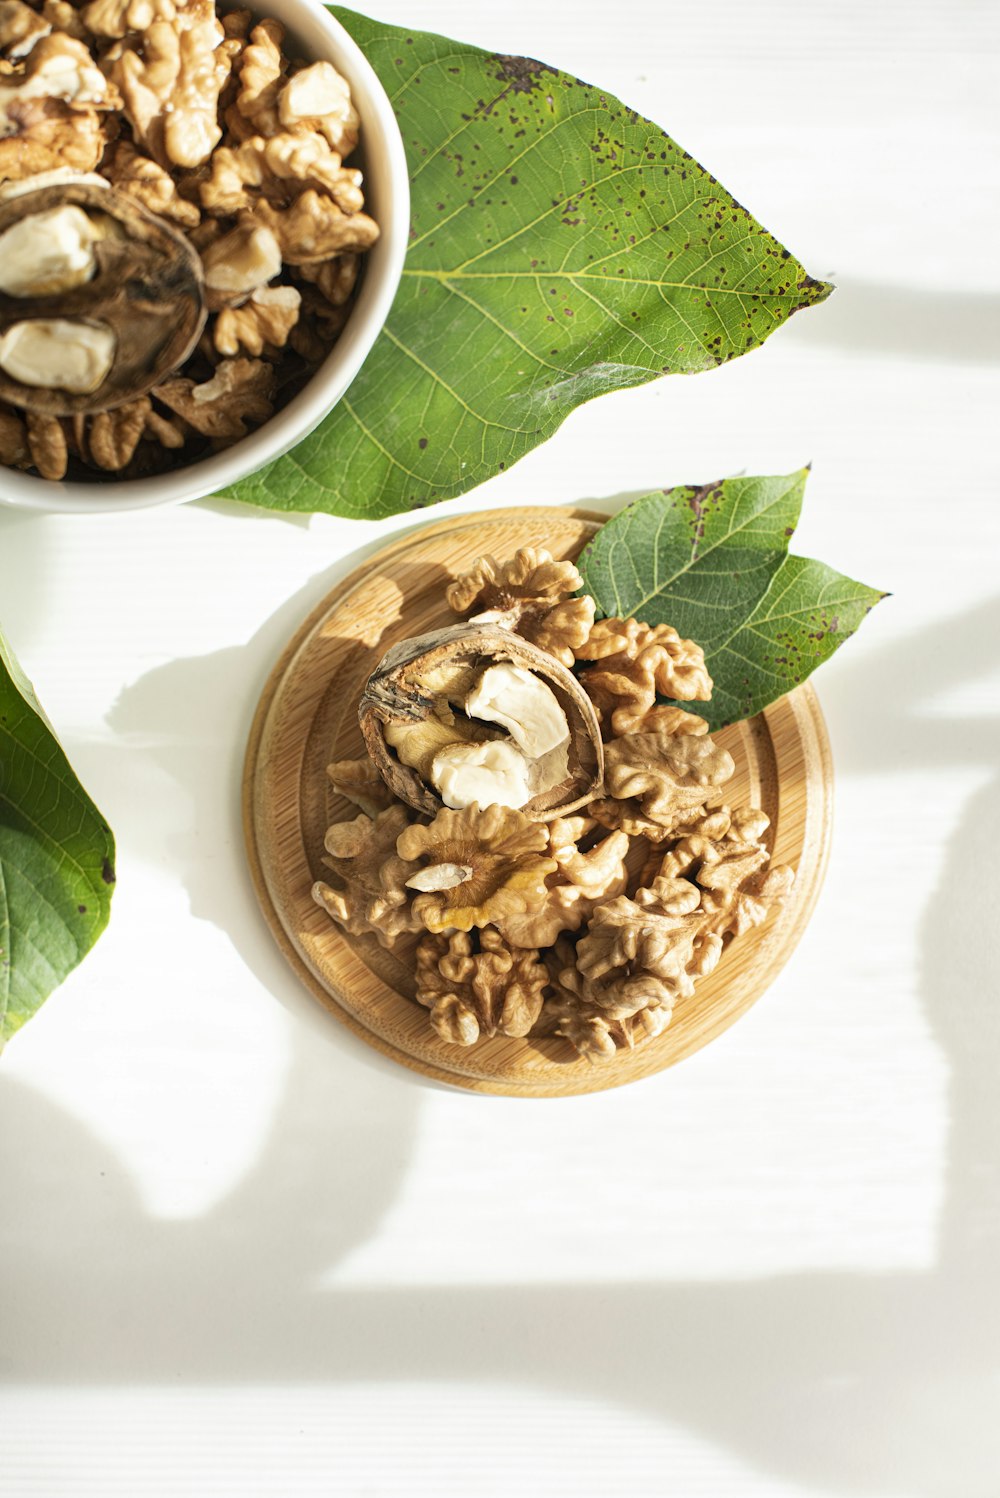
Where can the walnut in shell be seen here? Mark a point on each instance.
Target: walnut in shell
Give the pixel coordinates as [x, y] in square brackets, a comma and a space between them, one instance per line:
[136, 314]
[478, 986]
[475, 713]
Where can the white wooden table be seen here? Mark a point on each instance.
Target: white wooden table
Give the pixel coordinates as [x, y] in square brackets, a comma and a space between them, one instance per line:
[243, 1255]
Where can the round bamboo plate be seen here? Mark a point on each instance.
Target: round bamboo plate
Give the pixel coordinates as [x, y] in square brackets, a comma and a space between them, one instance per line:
[307, 716]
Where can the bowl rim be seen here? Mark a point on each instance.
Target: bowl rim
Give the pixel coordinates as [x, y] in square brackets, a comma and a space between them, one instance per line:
[326, 387]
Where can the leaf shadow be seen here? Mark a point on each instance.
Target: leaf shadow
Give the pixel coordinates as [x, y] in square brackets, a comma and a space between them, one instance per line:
[879, 318]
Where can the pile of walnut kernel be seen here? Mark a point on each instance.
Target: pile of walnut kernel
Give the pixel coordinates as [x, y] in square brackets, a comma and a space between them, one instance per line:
[593, 925]
[206, 121]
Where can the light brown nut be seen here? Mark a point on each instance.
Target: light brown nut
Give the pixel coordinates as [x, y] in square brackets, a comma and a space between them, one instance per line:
[727, 858]
[61, 67]
[20, 28]
[478, 985]
[114, 435]
[359, 781]
[318, 98]
[504, 854]
[265, 320]
[116, 18]
[531, 594]
[334, 279]
[569, 1011]
[667, 774]
[239, 263]
[170, 434]
[45, 134]
[62, 16]
[313, 228]
[49, 110]
[637, 955]
[637, 661]
[238, 398]
[670, 720]
[580, 882]
[171, 87]
[262, 77]
[47, 444]
[278, 168]
[144, 179]
[371, 896]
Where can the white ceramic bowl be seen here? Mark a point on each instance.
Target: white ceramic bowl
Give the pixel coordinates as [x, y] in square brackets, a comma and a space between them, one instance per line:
[315, 35]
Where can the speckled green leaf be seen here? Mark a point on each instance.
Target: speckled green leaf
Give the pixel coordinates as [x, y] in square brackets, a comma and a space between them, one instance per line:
[562, 246]
[714, 563]
[56, 856]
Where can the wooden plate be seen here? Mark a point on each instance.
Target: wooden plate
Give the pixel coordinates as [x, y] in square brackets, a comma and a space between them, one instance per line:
[308, 716]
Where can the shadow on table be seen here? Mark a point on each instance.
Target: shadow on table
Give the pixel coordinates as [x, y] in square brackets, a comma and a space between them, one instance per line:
[872, 317]
[866, 1383]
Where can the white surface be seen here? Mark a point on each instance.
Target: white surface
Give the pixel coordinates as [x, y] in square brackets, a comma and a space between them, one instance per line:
[242, 1254]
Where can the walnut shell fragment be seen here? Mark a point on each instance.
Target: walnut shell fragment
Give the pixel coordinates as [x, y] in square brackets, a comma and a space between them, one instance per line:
[431, 707]
[145, 296]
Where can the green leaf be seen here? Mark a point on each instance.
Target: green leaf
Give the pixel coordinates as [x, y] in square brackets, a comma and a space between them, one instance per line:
[56, 856]
[713, 562]
[561, 246]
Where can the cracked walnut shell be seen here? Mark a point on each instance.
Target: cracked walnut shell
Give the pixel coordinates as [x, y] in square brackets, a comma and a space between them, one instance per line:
[478, 987]
[421, 689]
[146, 288]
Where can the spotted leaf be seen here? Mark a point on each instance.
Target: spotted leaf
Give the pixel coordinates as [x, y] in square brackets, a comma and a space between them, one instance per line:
[561, 246]
[714, 563]
[56, 856]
